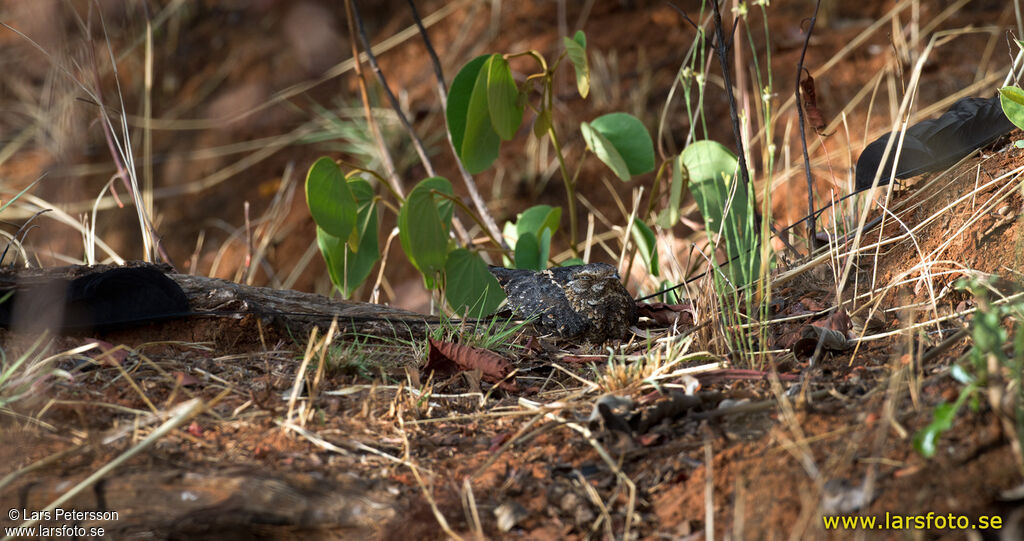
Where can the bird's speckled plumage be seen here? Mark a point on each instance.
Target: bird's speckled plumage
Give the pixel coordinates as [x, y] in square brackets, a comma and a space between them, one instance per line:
[585, 302]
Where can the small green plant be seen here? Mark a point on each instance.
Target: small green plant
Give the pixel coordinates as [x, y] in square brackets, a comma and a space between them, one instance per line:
[356, 357]
[531, 235]
[485, 107]
[993, 361]
[1012, 100]
[497, 333]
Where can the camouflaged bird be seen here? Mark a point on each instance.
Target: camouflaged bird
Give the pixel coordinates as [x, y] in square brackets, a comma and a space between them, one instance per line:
[585, 302]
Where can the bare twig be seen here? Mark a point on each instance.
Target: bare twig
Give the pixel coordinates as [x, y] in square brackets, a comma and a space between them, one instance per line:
[372, 58]
[385, 156]
[722, 52]
[811, 216]
[442, 92]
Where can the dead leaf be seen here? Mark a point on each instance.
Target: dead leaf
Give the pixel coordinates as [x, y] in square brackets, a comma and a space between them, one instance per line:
[498, 440]
[668, 314]
[814, 115]
[838, 321]
[811, 335]
[812, 304]
[445, 358]
[185, 380]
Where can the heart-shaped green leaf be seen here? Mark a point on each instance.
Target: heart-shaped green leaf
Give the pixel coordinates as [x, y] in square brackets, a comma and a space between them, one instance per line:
[628, 136]
[469, 120]
[605, 151]
[537, 218]
[727, 209]
[364, 256]
[471, 288]
[423, 224]
[680, 177]
[711, 167]
[528, 252]
[503, 98]
[1012, 100]
[576, 50]
[329, 198]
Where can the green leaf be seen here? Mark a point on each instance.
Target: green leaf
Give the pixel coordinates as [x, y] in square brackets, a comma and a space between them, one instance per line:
[605, 151]
[333, 251]
[469, 120]
[537, 218]
[572, 261]
[1012, 100]
[545, 248]
[329, 198]
[528, 252]
[503, 98]
[471, 287]
[647, 244]
[711, 167]
[958, 373]
[366, 253]
[628, 136]
[671, 296]
[576, 50]
[423, 224]
[680, 177]
[942, 420]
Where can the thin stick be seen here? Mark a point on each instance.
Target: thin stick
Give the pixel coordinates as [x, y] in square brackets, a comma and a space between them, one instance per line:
[722, 52]
[372, 59]
[385, 156]
[442, 93]
[811, 217]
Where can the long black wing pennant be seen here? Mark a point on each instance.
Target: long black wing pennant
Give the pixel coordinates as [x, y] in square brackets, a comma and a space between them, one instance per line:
[933, 145]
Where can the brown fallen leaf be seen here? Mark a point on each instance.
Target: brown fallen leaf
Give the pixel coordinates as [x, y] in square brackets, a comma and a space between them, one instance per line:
[812, 304]
[445, 358]
[668, 314]
[810, 335]
[838, 321]
[185, 380]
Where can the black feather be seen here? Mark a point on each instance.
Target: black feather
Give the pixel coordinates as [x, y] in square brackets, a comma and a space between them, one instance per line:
[934, 145]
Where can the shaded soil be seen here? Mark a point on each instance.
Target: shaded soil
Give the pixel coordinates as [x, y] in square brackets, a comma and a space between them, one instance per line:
[371, 446]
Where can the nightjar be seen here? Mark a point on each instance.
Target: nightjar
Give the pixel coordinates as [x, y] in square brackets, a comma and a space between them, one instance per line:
[584, 302]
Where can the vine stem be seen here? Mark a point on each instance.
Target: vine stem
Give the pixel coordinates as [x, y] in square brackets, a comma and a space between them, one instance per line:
[570, 190]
